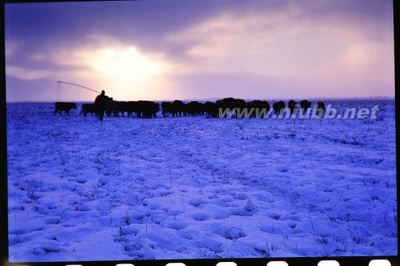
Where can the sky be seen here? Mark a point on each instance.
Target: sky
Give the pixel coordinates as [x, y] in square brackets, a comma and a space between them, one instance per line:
[190, 49]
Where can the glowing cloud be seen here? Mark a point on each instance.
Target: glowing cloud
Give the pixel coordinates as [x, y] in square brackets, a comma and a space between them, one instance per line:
[126, 71]
[127, 64]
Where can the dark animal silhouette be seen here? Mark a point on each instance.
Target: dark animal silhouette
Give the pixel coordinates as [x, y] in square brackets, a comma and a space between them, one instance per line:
[131, 107]
[321, 108]
[66, 107]
[305, 105]
[141, 109]
[178, 108]
[167, 108]
[292, 105]
[194, 108]
[88, 108]
[113, 108]
[259, 107]
[211, 110]
[124, 108]
[231, 104]
[147, 109]
[278, 107]
[175, 109]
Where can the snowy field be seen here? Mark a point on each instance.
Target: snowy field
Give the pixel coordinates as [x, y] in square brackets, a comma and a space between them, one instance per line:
[172, 188]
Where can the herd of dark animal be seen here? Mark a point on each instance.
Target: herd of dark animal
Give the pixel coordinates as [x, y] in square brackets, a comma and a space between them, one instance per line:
[177, 108]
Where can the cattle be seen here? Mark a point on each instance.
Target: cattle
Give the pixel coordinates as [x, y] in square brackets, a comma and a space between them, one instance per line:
[278, 107]
[135, 108]
[130, 108]
[231, 104]
[88, 108]
[147, 109]
[305, 105]
[124, 108]
[116, 108]
[292, 105]
[141, 109]
[167, 108]
[194, 108]
[66, 107]
[178, 108]
[113, 108]
[211, 109]
[321, 108]
[259, 107]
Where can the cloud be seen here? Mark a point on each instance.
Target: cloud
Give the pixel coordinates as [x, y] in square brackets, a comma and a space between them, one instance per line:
[338, 57]
[11, 48]
[271, 38]
[26, 74]
[313, 48]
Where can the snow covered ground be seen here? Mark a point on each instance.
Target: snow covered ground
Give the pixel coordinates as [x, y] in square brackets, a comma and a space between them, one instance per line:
[172, 188]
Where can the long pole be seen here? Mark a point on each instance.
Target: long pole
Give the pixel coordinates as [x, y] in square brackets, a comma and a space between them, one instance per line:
[77, 85]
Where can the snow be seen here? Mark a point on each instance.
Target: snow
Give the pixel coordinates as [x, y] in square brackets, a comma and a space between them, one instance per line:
[174, 188]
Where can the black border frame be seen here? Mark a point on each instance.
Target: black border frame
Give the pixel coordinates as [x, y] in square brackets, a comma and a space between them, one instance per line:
[292, 261]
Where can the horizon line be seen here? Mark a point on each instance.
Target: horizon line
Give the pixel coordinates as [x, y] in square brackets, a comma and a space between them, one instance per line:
[217, 98]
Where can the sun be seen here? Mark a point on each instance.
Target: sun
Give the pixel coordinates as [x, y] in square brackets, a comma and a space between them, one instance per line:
[125, 69]
[124, 63]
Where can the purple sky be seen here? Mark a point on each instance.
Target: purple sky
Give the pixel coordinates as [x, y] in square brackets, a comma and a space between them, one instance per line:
[190, 49]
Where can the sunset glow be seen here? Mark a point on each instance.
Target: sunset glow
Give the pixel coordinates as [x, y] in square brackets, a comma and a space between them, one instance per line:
[126, 64]
[290, 49]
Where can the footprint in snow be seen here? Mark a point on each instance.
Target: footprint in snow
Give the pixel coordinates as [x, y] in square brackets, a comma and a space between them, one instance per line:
[248, 210]
[221, 215]
[275, 216]
[200, 217]
[46, 249]
[52, 220]
[240, 196]
[198, 203]
[231, 233]
[177, 225]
